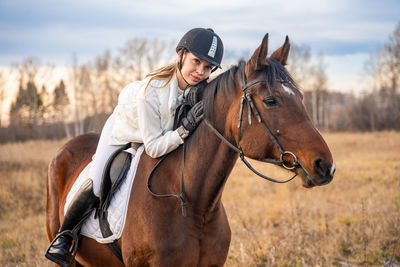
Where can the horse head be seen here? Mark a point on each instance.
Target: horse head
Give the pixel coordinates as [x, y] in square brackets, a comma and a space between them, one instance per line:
[266, 120]
[280, 105]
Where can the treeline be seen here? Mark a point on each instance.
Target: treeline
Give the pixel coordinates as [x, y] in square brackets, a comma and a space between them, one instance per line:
[83, 99]
[375, 110]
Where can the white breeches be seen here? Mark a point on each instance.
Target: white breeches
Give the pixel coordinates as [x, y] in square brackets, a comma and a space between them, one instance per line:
[103, 152]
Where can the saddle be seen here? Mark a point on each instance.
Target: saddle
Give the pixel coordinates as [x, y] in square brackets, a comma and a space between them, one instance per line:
[114, 173]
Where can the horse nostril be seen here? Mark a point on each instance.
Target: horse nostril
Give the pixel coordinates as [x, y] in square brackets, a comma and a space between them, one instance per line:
[322, 168]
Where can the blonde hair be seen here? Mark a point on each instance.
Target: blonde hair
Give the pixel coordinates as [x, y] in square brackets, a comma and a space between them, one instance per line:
[164, 73]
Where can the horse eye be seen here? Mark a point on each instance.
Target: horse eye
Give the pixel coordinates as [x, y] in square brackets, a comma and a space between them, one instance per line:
[271, 101]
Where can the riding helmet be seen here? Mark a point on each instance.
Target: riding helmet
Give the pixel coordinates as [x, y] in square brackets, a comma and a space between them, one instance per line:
[204, 44]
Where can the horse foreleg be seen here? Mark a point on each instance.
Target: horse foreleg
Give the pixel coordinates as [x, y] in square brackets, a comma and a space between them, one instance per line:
[217, 237]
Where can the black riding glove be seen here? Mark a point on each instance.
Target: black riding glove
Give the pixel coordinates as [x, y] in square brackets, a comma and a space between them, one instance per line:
[193, 117]
[195, 93]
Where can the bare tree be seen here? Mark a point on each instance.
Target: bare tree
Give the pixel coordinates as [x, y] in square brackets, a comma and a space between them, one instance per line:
[133, 55]
[384, 68]
[301, 65]
[104, 84]
[78, 99]
[138, 57]
[2, 96]
[310, 74]
[319, 100]
[158, 52]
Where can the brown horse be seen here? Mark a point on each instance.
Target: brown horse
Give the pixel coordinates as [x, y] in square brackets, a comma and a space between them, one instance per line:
[156, 233]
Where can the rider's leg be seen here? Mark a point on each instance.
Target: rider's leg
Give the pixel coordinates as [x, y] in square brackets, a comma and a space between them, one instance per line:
[82, 203]
[103, 153]
[86, 198]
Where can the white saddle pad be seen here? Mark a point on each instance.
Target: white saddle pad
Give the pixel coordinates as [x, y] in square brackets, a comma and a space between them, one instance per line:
[118, 205]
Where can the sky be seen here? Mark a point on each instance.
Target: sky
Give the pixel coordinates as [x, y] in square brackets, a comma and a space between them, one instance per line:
[344, 32]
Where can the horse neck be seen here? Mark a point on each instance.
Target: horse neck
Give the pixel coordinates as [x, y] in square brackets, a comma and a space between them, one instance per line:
[211, 160]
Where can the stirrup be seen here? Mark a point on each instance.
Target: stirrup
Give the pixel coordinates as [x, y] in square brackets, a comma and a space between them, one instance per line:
[73, 252]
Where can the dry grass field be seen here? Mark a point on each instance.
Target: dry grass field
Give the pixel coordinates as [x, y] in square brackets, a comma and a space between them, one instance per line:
[354, 221]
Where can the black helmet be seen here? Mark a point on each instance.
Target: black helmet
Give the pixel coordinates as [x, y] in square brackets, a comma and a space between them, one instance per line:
[204, 44]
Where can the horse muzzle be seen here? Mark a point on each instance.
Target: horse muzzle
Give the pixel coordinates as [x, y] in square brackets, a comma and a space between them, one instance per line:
[323, 174]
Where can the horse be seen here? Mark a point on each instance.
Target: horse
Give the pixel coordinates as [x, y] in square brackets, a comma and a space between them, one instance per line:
[253, 110]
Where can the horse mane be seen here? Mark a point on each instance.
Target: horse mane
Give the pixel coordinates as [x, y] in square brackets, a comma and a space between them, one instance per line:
[225, 83]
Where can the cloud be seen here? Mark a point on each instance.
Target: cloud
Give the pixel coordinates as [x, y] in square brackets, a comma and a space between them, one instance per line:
[322, 24]
[53, 30]
[347, 72]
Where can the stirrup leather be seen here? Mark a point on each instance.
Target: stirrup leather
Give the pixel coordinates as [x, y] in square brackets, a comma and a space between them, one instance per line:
[73, 251]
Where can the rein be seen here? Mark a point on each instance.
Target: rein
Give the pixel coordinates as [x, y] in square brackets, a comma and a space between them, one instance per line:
[181, 196]
[246, 98]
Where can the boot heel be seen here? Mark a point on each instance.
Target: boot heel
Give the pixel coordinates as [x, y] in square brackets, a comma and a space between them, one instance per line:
[73, 251]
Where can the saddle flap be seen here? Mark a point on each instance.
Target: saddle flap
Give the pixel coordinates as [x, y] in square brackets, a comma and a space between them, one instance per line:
[117, 165]
[112, 172]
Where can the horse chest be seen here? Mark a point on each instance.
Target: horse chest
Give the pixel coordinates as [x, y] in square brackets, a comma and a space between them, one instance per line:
[184, 242]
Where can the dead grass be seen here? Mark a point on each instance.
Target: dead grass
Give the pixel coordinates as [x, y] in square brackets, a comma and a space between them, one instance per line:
[354, 221]
[23, 168]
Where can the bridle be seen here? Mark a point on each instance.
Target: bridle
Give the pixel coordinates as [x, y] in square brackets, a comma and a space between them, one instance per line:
[247, 98]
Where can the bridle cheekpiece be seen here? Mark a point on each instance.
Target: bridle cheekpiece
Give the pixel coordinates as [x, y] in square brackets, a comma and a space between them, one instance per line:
[247, 98]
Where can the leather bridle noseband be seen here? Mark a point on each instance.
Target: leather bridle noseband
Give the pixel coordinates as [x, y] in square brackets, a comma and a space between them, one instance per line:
[246, 98]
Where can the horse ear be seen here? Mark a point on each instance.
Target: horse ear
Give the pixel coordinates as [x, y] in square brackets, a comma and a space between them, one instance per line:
[282, 53]
[259, 57]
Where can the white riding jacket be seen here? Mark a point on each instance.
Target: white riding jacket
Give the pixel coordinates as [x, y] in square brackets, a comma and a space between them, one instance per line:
[147, 116]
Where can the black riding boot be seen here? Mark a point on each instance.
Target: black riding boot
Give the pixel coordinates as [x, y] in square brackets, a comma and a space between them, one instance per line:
[81, 205]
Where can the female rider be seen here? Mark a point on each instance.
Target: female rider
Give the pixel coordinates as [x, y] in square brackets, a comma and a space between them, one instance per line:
[145, 114]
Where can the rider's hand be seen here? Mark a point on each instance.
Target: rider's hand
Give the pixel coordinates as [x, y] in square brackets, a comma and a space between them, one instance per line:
[193, 117]
[195, 93]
